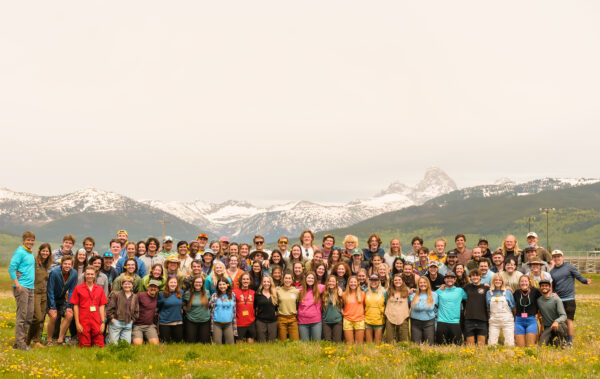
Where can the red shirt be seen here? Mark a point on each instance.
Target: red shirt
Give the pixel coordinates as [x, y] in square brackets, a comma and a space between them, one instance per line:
[85, 299]
[244, 307]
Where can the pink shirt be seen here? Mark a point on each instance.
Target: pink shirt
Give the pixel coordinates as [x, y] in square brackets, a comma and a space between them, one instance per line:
[308, 311]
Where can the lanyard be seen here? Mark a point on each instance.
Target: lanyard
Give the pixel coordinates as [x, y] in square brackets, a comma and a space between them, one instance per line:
[90, 294]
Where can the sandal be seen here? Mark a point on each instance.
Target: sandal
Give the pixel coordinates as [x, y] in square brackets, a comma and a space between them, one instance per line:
[49, 343]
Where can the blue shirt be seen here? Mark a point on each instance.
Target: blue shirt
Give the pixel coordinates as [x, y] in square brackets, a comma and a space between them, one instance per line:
[563, 280]
[224, 309]
[24, 262]
[421, 311]
[487, 278]
[169, 308]
[141, 271]
[449, 302]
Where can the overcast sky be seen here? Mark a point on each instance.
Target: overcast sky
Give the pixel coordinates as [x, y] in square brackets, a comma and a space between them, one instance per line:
[314, 100]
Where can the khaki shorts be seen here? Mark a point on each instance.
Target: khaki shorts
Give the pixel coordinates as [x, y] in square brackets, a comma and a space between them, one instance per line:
[144, 331]
[353, 325]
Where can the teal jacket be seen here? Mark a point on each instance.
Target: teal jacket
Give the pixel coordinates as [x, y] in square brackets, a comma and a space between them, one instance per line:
[23, 261]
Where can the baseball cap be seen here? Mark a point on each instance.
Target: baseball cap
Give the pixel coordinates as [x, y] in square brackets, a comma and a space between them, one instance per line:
[451, 274]
[373, 277]
[545, 281]
[202, 235]
[154, 282]
[224, 239]
[530, 248]
[483, 239]
[532, 234]
[356, 251]
[557, 252]
[122, 231]
[168, 239]
[434, 264]
[452, 253]
[209, 251]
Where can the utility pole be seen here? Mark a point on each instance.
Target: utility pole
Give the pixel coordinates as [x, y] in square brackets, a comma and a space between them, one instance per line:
[164, 225]
[531, 218]
[547, 212]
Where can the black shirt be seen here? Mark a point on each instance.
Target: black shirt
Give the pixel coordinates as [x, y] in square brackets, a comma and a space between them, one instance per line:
[264, 309]
[437, 283]
[527, 303]
[476, 304]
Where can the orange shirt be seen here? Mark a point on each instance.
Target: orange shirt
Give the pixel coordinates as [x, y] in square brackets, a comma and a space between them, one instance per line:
[353, 310]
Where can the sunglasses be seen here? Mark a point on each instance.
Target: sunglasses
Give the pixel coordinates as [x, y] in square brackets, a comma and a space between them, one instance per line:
[259, 242]
[283, 242]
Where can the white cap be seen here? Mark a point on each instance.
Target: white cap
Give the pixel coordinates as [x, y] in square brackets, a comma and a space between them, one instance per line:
[532, 234]
[557, 252]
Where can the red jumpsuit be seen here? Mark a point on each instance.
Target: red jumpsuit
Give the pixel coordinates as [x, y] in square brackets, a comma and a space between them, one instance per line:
[89, 303]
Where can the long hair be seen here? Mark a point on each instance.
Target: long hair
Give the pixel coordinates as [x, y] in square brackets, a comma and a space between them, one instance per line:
[162, 270]
[336, 300]
[493, 286]
[214, 275]
[245, 273]
[300, 259]
[255, 277]
[202, 292]
[323, 279]
[334, 269]
[294, 277]
[281, 261]
[39, 260]
[427, 292]
[77, 264]
[516, 250]
[272, 290]
[394, 270]
[402, 290]
[314, 288]
[168, 293]
[227, 291]
[330, 257]
[359, 295]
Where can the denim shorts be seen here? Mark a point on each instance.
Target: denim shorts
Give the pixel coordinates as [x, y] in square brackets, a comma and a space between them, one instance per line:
[525, 325]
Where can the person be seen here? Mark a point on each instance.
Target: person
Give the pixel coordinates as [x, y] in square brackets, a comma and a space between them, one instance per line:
[526, 309]
[486, 274]
[107, 268]
[451, 261]
[194, 249]
[307, 245]
[422, 265]
[196, 323]
[43, 260]
[435, 278]
[208, 259]
[510, 248]
[80, 263]
[66, 248]
[423, 304]
[536, 274]
[335, 257]
[350, 243]
[277, 276]
[24, 263]
[261, 257]
[462, 276]
[152, 257]
[222, 309]
[394, 253]
[374, 247]
[101, 278]
[287, 297]
[224, 242]
[331, 305]
[438, 253]
[342, 273]
[169, 305]
[396, 311]
[245, 317]
[298, 272]
[510, 275]
[265, 310]
[497, 262]
[140, 249]
[144, 326]
[282, 244]
[122, 237]
[477, 256]
[554, 316]
[449, 304]
[156, 273]
[309, 308]
[563, 282]
[327, 247]
[296, 255]
[276, 260]
[130, 253]
[543, 254]
[530, 253]
[89, 310]
[356, 261]
[397, 267]
[130, 271]
[219, 271]
[313, 263]
[88, 245]
[61, 283]
[354, 312]
[413, 256]
[259, 244]
[122, 310]
[202, 241]
[172, 266]
[321, 272]
[463, 254]
[185, 260]
[501, 305]
[245, 261]
[409, 277]
[362, 277]
[476, 313]
[233, 271]
[383, 272]
[167, 247]
[484, 245]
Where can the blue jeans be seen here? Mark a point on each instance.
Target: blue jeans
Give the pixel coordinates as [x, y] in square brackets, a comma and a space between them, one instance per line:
[310, 331]
[119, 330]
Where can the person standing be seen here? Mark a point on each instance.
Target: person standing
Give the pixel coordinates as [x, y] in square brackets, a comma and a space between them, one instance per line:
[310, 325]
[89, 302]
[287, 297]
[196, 323]
[152, 257]
[123, 309]
[354, 312]
[526, 326]
[222, 307]
[331, 304]
[476, 313]
[422, 314]
[66, 248]
[60, 287]
[563, 282]
[169, 305]
[23, 263]
[501, 305]
[265, 309]
[463, 254]
[543, 254]
[449, 302]
[553, 316]
[244, 310]
[144, 326]
[396, 311]
[42, 265]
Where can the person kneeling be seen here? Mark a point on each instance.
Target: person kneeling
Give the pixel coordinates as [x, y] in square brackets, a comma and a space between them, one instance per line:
[553, 316]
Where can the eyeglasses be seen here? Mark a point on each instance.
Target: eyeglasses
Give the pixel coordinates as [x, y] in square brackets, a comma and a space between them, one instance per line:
[259, 242]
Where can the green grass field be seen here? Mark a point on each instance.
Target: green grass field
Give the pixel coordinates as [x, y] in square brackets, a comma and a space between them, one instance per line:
[297, 359]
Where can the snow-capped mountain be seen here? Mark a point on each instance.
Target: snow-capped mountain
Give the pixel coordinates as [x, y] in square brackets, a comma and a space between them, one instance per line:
[239, 219]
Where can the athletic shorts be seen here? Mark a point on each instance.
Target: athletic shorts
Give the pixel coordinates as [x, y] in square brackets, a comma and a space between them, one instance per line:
[374, 327]
[570, 308]
[245, 332]
[147, 332]
[475, 328]
[526, 325]
[61, 308]
[353, 325]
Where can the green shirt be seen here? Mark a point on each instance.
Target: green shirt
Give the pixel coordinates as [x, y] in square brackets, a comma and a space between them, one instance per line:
[331, 314]
[198, 313]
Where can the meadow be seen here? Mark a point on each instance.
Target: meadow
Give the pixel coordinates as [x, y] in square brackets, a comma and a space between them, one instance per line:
[297, 359]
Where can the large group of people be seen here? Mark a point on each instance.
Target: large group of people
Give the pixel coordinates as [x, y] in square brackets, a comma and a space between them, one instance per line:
[226, 292]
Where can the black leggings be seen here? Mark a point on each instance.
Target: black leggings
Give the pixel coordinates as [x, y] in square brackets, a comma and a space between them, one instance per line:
[195, 332]
[170, 333]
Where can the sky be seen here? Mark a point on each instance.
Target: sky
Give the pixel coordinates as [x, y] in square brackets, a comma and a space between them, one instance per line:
[277, 100]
